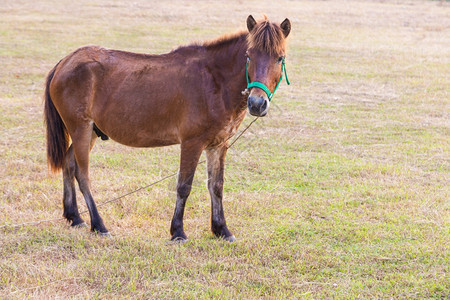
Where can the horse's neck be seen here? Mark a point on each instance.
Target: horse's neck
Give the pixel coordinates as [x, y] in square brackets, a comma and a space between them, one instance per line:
[229, 66]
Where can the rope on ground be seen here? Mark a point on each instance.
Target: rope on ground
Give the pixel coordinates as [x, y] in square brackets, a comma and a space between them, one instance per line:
[30, 223]
[127, 194]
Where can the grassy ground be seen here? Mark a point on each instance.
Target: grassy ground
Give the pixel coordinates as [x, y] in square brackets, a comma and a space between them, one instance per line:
[341, 192]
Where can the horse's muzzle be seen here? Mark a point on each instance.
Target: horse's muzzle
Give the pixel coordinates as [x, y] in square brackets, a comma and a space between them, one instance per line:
[258, 105]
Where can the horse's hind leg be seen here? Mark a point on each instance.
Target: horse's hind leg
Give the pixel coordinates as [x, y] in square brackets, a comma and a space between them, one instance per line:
[70, 200]
[83, 140]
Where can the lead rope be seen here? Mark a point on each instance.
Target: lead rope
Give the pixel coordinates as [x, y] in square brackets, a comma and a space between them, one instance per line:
[129, 193]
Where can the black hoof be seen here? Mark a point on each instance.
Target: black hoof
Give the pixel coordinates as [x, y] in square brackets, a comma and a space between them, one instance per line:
[178, 240]
[105, 234]
[98, 227]
[79, 225]
[230, 239]
[179, 237]
[223, 233]
[75, 221]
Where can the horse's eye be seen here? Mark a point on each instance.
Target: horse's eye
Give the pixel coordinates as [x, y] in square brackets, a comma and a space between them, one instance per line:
[280, 59]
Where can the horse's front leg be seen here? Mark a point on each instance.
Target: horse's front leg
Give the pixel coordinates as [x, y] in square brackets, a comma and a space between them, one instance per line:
[216, 164]
[190, 154]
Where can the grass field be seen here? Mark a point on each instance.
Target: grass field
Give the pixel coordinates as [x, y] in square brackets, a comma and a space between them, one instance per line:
[342, 191]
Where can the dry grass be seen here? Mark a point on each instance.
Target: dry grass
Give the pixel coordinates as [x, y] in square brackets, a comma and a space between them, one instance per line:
[341, 192]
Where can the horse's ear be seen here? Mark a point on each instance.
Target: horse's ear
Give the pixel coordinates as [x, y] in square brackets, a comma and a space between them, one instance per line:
[285, 26]
[250, 23]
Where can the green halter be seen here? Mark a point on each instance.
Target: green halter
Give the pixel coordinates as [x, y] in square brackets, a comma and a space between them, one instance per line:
[262, 85]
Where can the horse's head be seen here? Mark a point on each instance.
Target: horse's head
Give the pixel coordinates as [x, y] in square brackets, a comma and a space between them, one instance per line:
[265, 62]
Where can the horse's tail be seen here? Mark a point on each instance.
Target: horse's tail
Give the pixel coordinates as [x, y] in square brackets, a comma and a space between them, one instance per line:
[57, 136]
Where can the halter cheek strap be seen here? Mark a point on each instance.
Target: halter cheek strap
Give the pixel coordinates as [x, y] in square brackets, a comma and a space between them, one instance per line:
[262, 85]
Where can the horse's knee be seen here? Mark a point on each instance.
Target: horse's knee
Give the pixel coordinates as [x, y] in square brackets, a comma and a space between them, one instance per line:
[183, 190]
[70, 164]
[216, 188]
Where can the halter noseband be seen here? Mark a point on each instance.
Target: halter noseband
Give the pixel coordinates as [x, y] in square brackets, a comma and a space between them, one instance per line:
[262, 85]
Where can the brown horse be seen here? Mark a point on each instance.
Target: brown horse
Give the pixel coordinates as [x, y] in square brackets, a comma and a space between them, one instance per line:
[191, 96]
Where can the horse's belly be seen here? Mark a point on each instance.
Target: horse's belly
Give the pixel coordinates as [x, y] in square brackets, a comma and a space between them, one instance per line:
[148, 142]
[151, 133]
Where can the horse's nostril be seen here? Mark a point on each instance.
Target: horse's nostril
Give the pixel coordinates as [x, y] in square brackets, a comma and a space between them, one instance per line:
[263, 107]
[257, 105]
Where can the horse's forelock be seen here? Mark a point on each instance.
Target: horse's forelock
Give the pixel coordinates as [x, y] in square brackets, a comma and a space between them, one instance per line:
[267, 37]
